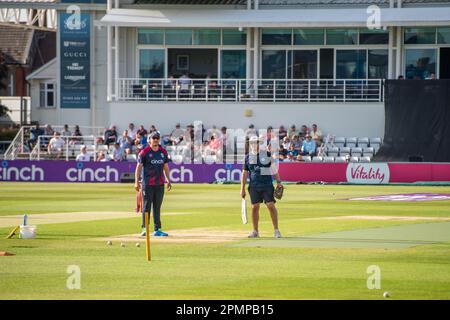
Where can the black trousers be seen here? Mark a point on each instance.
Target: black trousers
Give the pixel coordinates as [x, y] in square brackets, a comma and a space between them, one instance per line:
[152, 196]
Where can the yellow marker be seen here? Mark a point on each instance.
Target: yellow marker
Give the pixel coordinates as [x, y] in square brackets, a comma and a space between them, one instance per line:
[147, 238]
[13, 232]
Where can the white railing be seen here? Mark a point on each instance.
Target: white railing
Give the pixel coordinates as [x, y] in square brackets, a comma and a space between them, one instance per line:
[68, 150]
[20, 143]
[273, 90]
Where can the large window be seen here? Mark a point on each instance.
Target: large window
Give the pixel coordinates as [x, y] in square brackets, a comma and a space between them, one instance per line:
[304, 64]
[151, 63]
[309, 36]
[375, 36]
[233, 64]
[150, 36]
[425, 35]
[232, 37]
[207, 36]
[443, 35]
[342, 36]
[179, 36]
[47, 94]
[274, 64]
[276, 36]
[420, 63]
[351, 64]
[378, 64]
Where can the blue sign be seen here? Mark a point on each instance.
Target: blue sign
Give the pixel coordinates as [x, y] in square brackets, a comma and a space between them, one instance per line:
[75, 58]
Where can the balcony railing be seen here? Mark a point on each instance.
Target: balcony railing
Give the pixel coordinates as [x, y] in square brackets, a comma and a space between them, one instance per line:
[271, 90]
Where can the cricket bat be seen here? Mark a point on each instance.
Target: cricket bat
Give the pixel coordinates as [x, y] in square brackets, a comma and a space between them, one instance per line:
[244, 211]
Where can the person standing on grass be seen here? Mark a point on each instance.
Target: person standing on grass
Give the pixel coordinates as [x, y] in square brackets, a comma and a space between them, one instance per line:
[153, 169]
[258, 166]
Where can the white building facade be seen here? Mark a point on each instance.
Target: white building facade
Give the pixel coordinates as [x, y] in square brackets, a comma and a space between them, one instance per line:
[237, 62]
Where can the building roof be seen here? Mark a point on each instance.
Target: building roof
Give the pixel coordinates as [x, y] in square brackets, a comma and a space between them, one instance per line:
[287, 2]
[15, 43]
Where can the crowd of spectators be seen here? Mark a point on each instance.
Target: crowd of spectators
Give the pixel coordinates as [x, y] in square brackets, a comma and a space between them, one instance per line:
[112, 146]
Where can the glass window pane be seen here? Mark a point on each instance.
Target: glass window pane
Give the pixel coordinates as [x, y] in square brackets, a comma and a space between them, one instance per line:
[420, 63]
[443, 35]
[420, 35]
[151, 63]
[378, 64]
[42, 97]
[234, 37]
[49, 86]
[277, 36]
[207, 36]
[375, 36]
[351, 64]
[233, 64]
[305, 64]
[179, 36]
[49, 99]
[274, 64]
[342, 36]
[150, 36]
[309, 36]
[326, 63]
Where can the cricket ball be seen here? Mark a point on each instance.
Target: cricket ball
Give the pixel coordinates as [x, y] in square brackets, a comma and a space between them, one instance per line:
[386, 294]
[109, 243]
[138, 244]
[122, 244]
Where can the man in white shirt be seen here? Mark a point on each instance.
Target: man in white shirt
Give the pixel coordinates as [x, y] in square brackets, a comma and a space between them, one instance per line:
[56, 145]
[132, 131]
[83, 155]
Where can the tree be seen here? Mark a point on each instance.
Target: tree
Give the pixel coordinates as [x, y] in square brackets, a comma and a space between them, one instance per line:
[3, 76]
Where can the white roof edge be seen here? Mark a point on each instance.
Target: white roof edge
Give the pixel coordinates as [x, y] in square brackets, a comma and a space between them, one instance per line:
[273, 18]
[35, 73]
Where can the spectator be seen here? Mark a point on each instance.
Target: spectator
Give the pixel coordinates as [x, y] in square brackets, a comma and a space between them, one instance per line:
[66, 132]
[432, 76]
[83, 155]
[309, 147]
[292, 132]
[303, 132]
[101, 157]
[282, 153]
[48, 131]
[131, 131]
[142, 132]
[152, 129]
[35, 134]
[296, 142]
[75, 136]
[129, 155]
[400, 77]
[56, 145]
[110, 135]
[176, 136]
[286, 143]
[251, 131]
[316, 134]
[292, 151]
[125, 142]
[282, 132]
[118, 153]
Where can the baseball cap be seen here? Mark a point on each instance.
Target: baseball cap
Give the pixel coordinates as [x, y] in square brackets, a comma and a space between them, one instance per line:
[154, 134]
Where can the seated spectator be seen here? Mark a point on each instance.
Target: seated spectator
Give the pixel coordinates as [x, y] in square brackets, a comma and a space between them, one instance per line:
[282, 153]
[299, 158]
[142, 132]
[99, 141]
[118, 153]
[125, 142]
[303, 132]
[110, 135]
[129, 155]
[76, 137]
[48, 131]
[432, 76]
[251, 131]
[83, 155]
[292, 151]
[56, 145]
[101, 157]
[296, 142]
[176, 136]
[316, 134]
[292, 132]
[66, 132]
[286, 143]
[140, 142]
[35, 134]
[131, 131]
[309, 147]
[282, 132]
[152, 129]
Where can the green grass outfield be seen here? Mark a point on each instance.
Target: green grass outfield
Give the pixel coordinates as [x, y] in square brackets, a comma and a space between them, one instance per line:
[218, 270]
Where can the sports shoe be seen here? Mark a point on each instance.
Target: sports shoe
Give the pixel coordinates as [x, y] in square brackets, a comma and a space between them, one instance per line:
[277, 233]
[254, 234]
[159, 233]
[143, 233]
